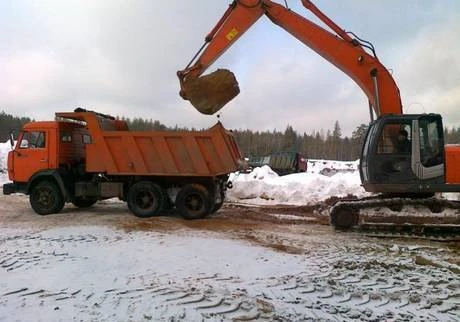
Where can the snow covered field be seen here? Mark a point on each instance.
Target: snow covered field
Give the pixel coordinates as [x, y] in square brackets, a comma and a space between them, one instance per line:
[244, 263]
[106, 265]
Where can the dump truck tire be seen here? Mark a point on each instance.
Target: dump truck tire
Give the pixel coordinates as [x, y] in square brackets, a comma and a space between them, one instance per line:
[84, 203]
[193, 201]
[46, 198]
[145, 199]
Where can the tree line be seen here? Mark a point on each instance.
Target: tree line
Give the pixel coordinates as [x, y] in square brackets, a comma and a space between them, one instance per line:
[329, 144]
[322, 144]
[10, 123]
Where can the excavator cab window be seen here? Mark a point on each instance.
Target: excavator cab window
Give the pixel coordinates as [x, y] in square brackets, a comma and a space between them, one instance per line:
[431, 142]
[389, 154]
[395, 138]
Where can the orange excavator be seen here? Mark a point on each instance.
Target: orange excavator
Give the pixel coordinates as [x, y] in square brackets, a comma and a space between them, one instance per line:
[404, 158]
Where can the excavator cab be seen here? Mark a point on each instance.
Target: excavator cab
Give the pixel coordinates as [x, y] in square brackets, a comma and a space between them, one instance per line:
[403, 154]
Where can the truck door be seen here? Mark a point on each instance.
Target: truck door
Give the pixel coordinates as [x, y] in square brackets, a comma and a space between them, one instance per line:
[31, 155]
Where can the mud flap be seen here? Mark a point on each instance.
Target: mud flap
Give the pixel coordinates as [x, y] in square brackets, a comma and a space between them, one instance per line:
[209, 93]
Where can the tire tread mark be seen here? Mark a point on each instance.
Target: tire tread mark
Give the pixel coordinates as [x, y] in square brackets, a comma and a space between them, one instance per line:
[211, 305]
[15, 292]
[191, 301]
[33, 293]
[232, 308]
[178, 297]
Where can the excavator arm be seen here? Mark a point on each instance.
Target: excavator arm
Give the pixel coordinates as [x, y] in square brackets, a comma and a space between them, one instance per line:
[210, 93]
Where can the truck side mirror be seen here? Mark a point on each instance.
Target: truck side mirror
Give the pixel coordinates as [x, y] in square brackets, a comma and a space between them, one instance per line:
[11, 140]
[24, 144]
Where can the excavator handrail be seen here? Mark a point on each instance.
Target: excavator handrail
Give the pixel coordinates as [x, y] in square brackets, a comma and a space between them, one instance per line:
[339, 48]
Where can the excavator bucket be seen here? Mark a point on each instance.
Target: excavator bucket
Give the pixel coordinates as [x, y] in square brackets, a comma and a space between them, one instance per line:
[209, 93]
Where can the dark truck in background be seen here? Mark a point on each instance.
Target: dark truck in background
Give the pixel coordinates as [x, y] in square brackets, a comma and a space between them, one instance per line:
[281, 162]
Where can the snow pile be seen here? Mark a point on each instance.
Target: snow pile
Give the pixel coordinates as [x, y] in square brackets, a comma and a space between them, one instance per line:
[4, 149]
[323, 179]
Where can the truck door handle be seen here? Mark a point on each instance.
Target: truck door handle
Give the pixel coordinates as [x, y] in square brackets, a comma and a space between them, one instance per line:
[43, 160]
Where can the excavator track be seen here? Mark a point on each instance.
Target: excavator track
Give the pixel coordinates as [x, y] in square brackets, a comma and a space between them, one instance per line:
[429, 218]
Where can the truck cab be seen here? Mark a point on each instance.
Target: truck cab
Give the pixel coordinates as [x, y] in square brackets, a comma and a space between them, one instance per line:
[44, 146]
[46, 151]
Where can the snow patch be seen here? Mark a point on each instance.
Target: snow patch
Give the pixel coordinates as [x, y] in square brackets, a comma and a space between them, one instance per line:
[323, 179]
[4, 149]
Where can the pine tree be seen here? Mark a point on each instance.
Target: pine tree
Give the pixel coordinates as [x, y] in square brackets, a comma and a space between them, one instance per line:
[290, 139]
[10, 123]
[336, 136]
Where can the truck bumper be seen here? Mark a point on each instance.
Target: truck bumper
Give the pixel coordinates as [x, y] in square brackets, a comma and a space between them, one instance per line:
[9, 188]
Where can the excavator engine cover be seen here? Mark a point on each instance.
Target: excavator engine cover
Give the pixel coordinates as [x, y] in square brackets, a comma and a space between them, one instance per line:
[209, 93]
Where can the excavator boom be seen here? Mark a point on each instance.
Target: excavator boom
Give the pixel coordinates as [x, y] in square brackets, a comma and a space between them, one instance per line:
[210, 93]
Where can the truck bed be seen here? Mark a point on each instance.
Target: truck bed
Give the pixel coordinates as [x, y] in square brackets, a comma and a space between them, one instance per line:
[206, 153]
[115, 151]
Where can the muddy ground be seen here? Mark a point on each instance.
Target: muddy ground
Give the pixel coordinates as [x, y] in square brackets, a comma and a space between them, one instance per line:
[347, 276]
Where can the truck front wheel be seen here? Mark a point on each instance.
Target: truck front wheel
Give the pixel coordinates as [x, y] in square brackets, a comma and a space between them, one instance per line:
[193, 201]
[145, 199]
[46, 198]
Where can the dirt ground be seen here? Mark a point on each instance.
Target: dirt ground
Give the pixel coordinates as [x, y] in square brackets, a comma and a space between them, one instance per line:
[348, 276]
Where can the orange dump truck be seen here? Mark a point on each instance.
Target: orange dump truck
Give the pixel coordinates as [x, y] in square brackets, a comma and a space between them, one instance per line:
[84, 156]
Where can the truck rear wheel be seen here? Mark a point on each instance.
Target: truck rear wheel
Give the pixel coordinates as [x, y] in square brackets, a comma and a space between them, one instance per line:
[84, 202]
[193, 201]
[145, 199]
[46, 198]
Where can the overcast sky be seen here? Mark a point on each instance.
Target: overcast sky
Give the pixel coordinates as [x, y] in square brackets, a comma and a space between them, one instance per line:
[120, 57]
